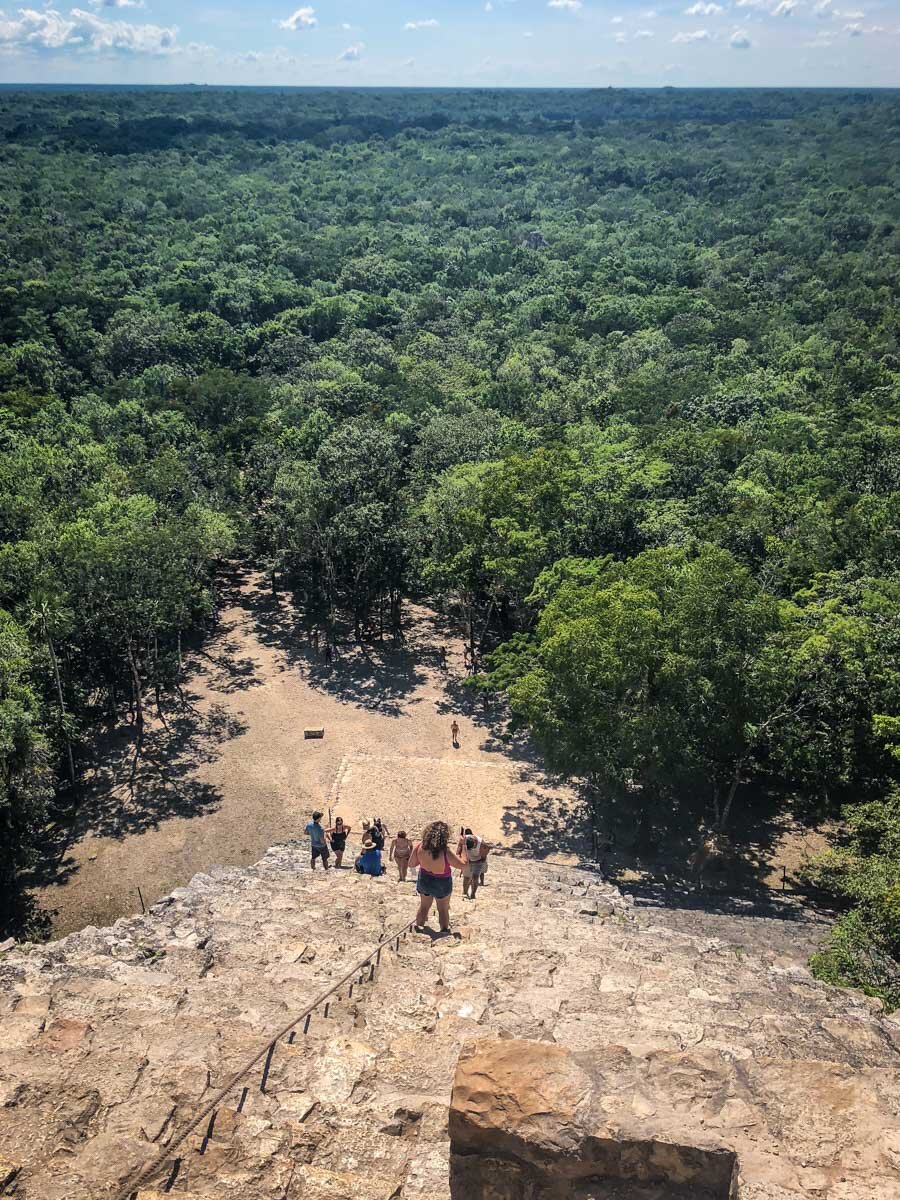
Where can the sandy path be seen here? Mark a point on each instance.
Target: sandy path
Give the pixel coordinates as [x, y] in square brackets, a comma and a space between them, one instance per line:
[233, 774]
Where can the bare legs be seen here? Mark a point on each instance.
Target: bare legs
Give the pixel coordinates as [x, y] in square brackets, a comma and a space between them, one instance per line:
[424, 910]
[338, 858]
[443, 908]
[402, 865]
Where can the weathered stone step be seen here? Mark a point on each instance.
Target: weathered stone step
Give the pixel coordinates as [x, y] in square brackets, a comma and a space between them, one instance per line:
[154, 1014]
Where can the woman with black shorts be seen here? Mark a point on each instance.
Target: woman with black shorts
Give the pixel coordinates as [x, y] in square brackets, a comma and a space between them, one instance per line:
[338, 838]
[435, 861]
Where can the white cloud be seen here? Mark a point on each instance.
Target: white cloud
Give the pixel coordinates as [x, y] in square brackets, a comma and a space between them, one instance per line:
[739, 40]
[261, 59]
[488, 7]
[822, 9]
[698, 35]
[527, 33]
[616, 20]
[82, 32]
[409, 62]
[619, 38]
[570, 5]
[303, 18]
[784, 8]
[650, 14]
[117, 3]
[703, 10]
[352, 53]
[430, 23]
[643, 33]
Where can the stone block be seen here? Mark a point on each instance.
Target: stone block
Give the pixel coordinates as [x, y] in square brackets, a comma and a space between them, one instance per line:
[542, 1115]
[314, 733]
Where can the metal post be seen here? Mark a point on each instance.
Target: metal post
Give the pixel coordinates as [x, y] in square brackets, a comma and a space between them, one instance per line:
[209, 1131]
[141, 898]
[173, 1175]
[265, 1074]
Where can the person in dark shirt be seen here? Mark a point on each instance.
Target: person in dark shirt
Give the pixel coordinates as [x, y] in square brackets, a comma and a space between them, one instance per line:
[378, 833]
[318, 844]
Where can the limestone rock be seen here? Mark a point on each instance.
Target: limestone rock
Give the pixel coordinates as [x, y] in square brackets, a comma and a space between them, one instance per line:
[511, 1091]
[642, 1043]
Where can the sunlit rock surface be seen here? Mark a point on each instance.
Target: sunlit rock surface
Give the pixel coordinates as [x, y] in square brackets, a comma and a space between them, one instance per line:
[690, 1050]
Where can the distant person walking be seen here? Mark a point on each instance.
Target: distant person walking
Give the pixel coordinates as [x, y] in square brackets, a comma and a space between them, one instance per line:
[378, 832]
[476, 852]
[338, 834]
[318, 844]
[454, 733]
[435, 861]
[401, 849]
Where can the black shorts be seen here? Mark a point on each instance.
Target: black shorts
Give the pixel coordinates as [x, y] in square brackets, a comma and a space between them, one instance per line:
[320, 852]
[438, 887]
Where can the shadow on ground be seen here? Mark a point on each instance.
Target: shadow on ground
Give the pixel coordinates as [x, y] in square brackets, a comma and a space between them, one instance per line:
[138, 784]
[379, 675]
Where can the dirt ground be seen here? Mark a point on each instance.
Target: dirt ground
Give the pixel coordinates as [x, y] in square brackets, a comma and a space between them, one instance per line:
[222, 779]
[229, 773]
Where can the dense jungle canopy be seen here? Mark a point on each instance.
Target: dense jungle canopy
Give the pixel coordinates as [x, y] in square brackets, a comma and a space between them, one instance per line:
[613, 372]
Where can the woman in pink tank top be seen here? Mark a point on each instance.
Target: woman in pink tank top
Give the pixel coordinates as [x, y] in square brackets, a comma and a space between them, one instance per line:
[435, 861]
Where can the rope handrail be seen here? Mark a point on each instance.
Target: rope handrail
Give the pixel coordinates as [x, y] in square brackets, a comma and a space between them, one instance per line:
[135, 1181]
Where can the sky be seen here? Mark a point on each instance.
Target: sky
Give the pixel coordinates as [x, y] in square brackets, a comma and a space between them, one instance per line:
[468, 43]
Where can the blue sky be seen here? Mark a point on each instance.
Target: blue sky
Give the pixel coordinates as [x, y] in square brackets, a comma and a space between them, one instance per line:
[455, 42]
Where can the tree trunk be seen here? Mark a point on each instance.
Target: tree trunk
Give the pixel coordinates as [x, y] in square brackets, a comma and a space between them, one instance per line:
[62, 706]
[159, 707]
[729, 799]
[484, 629]
[136, 687]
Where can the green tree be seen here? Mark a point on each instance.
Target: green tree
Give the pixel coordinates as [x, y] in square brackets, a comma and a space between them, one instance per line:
[26, 779]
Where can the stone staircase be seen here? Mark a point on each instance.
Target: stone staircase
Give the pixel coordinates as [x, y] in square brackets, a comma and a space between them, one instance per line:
[110, 1040]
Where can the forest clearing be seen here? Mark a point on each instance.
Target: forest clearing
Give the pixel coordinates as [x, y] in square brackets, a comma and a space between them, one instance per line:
[230, 775]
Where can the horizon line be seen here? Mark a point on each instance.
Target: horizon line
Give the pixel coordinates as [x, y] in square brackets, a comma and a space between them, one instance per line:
[462, 87]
